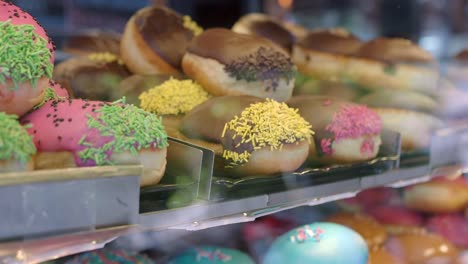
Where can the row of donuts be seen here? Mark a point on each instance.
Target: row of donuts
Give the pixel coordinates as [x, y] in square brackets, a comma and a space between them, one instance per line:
[396, 78]
[419, 225]
[251, 135]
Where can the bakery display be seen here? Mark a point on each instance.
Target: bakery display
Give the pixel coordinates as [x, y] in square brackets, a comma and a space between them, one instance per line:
[229, 63]
[77, 133]
[344, 132]
[267, 27]
[26, 59]
[155, 40]
[249, 132]
[211, 255]
[17, 149]
[172, 100]
[95, 76]
[312, 243]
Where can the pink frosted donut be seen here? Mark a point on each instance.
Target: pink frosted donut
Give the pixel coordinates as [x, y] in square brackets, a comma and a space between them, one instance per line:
[17, 16]
[75, 132]
[26, 56]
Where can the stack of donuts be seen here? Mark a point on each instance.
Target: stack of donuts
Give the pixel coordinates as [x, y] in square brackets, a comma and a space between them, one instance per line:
[42, 128]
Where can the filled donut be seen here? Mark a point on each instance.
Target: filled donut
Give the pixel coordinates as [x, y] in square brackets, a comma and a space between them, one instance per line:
[78, 133]
[250, 135]
[155, 40]
[344, 132]
[26, 59]
[17, 149]
[229, 63]
[84, 43]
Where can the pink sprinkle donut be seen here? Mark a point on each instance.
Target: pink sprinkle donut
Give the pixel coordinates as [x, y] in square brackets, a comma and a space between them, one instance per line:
[58, 89]
[17, 16]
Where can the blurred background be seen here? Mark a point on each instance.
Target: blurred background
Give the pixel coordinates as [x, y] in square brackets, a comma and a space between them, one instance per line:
[439, 26]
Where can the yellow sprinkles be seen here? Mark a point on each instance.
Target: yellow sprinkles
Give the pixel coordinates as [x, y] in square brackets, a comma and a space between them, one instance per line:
[105, 57]
[173, 97]
[192, 25]
[264, 124]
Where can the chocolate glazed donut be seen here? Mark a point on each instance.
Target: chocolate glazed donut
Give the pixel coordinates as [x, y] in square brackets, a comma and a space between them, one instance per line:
[229, 63]
[154, 41]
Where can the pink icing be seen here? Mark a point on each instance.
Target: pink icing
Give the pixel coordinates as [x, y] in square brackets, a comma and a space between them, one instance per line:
[58, 89]
[353, 121]
[60, 126]
[326, 144]
[367, 146]
[17, 16]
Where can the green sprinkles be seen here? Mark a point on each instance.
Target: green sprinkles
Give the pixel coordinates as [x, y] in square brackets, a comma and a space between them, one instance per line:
[49, 95]
[24, 55]
[15, 142]
[133, 129]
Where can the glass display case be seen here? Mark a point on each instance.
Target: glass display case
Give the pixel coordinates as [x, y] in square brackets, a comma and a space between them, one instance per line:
[259, 131]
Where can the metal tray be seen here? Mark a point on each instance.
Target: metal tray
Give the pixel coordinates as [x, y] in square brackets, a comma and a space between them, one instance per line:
[220, 187]
[52, 202]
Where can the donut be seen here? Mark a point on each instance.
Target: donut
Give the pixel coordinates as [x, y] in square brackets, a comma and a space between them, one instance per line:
[95, 76]
[58, 89]
[327, 88]
[114, 256]
[267, 27]
[155, 40]
[173, 99]
[453, 227]
[382, 256]
[421, 248]
[344, 132]
[26, 56]
[229, 63]
[16, 148]
[318, 243]
[323, 54]
[95, 41]
[440, 195]
[78, 133]
[211, 255]
[373, 233]
[406, 111]
[395, 215]
[394, 63]
[409, 100]
[250, 136]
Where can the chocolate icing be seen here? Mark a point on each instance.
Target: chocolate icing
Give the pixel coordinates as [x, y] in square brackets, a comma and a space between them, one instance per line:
[274, 32]
[164, 32]
[227, 46]
[394, 50]
[338, 42]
